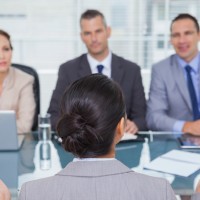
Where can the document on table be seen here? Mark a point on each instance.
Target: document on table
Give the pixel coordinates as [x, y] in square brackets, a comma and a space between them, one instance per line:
[176, 162]
[128, 136]
[132, 137]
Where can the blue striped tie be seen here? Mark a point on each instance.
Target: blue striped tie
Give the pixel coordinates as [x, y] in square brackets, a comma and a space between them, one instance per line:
[196, 114]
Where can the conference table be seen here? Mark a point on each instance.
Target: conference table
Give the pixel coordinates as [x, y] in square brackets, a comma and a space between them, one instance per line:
[39, 159]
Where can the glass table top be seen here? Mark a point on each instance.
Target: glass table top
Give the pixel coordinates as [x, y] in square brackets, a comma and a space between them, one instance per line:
[38, 159]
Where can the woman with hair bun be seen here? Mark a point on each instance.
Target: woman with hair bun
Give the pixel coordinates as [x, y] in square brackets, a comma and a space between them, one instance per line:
[92, 123]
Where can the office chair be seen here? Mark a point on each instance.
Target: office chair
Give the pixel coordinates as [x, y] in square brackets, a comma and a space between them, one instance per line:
[36, 90]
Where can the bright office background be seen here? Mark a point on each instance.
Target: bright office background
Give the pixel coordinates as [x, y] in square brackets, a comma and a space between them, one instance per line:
[45, 33]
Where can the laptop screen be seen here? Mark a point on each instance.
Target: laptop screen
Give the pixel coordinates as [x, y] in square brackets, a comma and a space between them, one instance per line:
[8, 131]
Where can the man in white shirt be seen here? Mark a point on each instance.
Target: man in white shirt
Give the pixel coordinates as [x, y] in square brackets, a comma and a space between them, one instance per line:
[95, 34]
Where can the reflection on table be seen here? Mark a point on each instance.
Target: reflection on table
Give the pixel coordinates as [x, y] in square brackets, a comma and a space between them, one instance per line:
[42, 159]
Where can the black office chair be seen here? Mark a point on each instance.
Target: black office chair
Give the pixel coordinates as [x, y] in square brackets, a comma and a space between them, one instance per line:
[36, 90]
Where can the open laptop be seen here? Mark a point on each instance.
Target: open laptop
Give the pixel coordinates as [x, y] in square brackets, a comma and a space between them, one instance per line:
[9, 169]
[9, 139]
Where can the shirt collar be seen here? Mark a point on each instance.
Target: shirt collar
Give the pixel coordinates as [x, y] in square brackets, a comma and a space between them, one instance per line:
[93, 62]
[92, 159]
[194, 63]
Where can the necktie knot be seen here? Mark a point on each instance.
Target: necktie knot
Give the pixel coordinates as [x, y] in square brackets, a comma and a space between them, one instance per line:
[188, 68]
[100, 68]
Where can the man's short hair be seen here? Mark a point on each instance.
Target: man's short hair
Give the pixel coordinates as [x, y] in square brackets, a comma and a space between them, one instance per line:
[185, 16]
[90, 14]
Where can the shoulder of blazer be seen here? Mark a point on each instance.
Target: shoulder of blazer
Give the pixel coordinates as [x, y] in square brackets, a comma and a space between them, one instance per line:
[74, 62]
[22, 75]
[18, 78]
[165, 63]
[123, 62]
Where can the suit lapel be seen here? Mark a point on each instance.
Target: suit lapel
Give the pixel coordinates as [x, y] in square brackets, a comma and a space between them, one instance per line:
[117, 71]
[199, 76]
[179, 78]
[84, 67]
[7, 94]
[10, 78]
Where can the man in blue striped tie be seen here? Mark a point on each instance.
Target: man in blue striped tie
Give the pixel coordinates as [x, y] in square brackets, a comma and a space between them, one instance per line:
[174, 100]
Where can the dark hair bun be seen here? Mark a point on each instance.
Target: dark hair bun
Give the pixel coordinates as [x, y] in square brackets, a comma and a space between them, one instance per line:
[77, 133]
[91, 110]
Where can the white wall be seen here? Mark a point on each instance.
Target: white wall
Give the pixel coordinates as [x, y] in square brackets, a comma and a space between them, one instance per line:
[48, 80]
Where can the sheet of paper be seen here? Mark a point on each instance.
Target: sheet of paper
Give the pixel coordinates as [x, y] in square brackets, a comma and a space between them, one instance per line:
[128, 136]
[176, 162]
[183, 156]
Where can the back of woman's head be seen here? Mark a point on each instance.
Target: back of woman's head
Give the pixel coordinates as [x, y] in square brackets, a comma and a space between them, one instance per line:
[91, 109]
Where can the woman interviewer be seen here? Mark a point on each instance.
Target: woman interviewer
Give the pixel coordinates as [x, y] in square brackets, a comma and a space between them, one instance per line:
[92, 123]
[16, 87]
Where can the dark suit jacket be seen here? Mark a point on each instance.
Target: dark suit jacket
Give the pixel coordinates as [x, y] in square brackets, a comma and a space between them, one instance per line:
[97, 180]
[124, 72]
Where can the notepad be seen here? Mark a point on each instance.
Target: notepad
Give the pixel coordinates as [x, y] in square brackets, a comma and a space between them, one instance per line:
[176, 162]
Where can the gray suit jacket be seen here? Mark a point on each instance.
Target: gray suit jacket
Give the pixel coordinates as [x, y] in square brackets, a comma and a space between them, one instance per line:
[97, 180]
[124, 72]
[196, 196]
[169, 99]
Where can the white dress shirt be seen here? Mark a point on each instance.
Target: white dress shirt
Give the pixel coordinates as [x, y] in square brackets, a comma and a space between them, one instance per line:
[106, 63]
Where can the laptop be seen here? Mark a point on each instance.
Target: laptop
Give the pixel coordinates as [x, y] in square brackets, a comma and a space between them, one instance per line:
[10, 140]
[9, 169]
